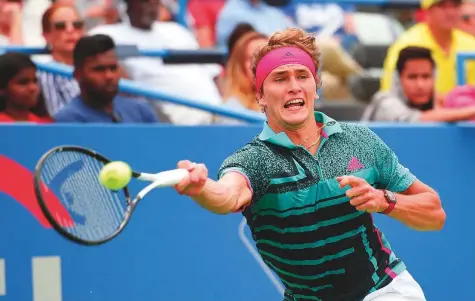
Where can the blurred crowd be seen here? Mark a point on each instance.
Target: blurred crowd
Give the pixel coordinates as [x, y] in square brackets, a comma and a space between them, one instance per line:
[376, 66]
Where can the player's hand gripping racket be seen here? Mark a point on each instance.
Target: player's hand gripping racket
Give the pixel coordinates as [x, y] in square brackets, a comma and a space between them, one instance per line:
[77, 205]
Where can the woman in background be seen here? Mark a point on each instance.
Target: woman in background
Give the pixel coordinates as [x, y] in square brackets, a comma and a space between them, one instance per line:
[20, 98]
[239, 92]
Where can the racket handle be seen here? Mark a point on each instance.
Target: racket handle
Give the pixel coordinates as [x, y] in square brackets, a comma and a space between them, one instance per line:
[165, 178]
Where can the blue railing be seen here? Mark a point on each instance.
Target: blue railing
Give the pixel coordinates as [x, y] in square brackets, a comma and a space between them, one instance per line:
[131, 87]
[462, 58]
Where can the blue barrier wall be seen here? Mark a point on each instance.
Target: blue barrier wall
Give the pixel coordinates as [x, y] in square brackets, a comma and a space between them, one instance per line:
[173, 250]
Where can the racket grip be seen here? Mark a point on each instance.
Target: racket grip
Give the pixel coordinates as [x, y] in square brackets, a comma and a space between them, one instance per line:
[169, 177]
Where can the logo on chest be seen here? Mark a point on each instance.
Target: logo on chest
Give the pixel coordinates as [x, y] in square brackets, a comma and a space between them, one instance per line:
[354, 165]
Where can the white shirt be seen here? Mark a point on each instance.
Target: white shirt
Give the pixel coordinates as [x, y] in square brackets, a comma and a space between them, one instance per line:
[189, 81]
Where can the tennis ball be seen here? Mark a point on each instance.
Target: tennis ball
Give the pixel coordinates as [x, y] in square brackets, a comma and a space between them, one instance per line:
[115, 175]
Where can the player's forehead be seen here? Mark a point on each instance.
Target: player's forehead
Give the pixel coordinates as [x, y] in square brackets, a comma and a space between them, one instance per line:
[289, 69]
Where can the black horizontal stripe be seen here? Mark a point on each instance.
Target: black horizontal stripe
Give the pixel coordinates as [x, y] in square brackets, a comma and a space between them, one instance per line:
[319, 234]
[306, 219]
[358, 259]
[310, 253]
[303, 207]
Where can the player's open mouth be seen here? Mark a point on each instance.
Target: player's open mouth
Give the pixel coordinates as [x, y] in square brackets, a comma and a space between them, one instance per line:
[294, 104]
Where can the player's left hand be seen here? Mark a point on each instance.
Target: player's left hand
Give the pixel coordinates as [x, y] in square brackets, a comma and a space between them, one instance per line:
[362, 195]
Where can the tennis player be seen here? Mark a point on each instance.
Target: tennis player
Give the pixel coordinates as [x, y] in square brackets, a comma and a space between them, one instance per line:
[308, 186]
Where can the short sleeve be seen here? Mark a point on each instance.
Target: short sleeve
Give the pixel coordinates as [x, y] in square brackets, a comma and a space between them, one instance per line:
[392, 175]
[246, 161]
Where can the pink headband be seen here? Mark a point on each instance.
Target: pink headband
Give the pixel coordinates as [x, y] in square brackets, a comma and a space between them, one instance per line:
[279, 57]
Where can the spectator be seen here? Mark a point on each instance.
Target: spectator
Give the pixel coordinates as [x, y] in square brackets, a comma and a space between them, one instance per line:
[414, 102]
[438, 34]
[239, 93]
[205, 15]
[467, 20]
[97, 72]
[11, 23]
[240, 30]
[20, 98]
[264, 18]
[62, 28]
[191, 81]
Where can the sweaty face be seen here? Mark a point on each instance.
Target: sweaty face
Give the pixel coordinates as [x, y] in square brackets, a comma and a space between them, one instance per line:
[445, 14]
[100, 76]
[417, 81]
[23, 90]
[289, 93]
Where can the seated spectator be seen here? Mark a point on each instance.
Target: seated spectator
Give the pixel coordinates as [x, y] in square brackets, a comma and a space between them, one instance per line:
[239, 91]
[414, 101]
[467, 19]
[11, 23]
[191, 81]
[20, 98]
[439, 34]
[62, 28]
[96, 71]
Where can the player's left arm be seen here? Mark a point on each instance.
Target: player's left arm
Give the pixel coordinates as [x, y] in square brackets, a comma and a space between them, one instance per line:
[418, 206]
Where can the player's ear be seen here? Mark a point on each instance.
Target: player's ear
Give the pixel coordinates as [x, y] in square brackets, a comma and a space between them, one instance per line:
[261, 101]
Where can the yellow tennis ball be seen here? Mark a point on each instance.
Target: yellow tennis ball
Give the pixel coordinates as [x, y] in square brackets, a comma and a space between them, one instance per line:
[115, 175]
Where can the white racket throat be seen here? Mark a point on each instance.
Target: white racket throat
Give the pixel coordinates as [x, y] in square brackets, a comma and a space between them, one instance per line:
[162, 179]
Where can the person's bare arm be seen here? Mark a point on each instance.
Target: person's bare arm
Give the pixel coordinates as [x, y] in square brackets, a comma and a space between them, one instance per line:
[228, 194]
[419, 207]
[448, 115]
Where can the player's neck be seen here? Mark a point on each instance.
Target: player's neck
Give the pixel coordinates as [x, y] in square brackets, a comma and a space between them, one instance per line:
[301, 134]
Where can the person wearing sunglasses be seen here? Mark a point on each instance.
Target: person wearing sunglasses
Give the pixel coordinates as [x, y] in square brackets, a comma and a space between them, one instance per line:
[62, 28]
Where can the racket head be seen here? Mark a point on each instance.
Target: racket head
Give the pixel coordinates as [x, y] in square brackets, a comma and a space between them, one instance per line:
[76, 204]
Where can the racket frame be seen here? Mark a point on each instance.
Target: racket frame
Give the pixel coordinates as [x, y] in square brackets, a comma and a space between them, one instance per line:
[161, 179]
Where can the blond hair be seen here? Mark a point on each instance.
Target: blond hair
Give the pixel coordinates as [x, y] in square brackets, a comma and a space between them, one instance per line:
[291, 37]
[237, 84]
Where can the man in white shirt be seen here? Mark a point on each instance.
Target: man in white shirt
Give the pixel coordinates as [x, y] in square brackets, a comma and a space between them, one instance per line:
[190, 81]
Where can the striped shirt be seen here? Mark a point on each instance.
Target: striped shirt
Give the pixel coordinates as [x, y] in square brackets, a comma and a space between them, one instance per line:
[303, 225]
[57, 90]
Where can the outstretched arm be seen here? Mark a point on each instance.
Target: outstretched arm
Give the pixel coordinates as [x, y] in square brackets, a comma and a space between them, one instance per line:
[229, 194]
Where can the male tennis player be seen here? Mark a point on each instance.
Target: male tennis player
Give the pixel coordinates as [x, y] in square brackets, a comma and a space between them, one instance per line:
[308, 185]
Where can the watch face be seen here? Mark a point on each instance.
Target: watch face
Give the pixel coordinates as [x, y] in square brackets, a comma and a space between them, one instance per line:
[390, 197]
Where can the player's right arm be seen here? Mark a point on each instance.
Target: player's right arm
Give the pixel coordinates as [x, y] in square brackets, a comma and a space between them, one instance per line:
[229, 194]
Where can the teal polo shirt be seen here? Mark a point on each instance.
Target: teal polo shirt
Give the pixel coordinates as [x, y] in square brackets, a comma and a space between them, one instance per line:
[303, 224]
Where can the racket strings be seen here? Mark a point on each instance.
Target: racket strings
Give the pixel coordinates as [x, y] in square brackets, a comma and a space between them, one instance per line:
[96, 212]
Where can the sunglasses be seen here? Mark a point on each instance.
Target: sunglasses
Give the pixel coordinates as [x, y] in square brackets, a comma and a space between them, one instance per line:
[61, 25]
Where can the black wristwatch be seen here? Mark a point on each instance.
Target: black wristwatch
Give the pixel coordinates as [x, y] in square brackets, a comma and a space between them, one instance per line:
[391, 199]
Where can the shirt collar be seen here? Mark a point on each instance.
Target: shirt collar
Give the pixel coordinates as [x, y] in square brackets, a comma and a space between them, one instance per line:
[281, 139]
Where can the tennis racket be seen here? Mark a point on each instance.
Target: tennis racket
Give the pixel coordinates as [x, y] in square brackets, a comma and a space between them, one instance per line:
[78, 206]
